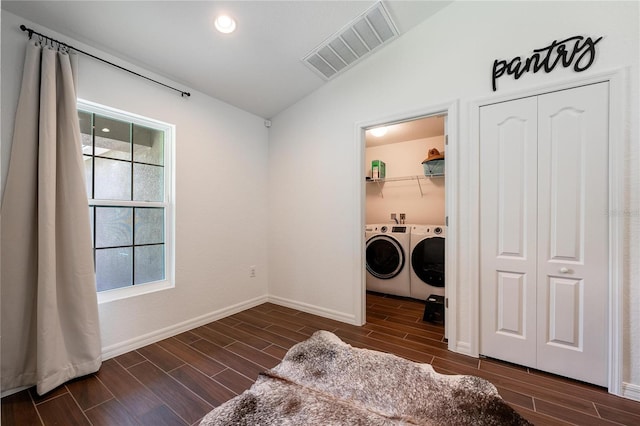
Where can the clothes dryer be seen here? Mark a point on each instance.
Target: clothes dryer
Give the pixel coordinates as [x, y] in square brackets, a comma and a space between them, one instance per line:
[387, 257]
[427, 250]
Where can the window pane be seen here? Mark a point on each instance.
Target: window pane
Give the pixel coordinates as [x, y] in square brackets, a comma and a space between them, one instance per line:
[125, 182]
[112, 180]
[149, 264]
[149, 225]
[114, 226]
[148, 183]
[114, 268]
[85, 131]
[113, 138]
[88, 173]
[93, 244]
[148, 145]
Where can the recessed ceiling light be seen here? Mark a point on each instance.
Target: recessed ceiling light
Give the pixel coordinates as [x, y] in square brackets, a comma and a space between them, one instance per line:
[225, 24]
[379, 131]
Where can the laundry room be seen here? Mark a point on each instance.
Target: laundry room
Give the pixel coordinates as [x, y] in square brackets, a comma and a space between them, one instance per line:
[404, 188]
[405, 210]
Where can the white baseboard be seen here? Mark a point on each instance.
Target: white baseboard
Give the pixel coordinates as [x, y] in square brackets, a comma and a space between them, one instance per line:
[313, 309]
[157, 335]
[631, 391]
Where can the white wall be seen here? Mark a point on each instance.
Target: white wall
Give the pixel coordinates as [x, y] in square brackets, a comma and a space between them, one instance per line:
[315, 240]
[423, 202]
[221, 194]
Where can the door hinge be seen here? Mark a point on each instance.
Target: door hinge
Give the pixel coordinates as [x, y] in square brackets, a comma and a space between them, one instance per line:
[446, 139]
[446, 221]
[446, 302]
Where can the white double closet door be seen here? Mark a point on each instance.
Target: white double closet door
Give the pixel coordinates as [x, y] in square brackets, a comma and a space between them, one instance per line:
[544, 238]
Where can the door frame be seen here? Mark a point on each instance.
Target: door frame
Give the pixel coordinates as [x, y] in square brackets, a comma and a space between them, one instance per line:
[449, 108]
[618, 135]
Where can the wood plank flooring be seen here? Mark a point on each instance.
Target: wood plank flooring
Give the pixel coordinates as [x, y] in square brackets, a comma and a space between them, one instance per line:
[178, 380]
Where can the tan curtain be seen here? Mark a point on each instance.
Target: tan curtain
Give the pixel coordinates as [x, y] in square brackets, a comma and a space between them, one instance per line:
[50, 330]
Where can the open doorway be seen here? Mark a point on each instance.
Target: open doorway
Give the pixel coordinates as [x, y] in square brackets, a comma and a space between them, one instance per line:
[404, 212]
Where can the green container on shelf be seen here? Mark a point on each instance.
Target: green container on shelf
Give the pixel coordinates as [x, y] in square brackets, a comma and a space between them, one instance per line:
[378, 169]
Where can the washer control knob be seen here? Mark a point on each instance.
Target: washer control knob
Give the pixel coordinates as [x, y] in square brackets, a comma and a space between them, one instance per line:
[437, 230]
[383, 229]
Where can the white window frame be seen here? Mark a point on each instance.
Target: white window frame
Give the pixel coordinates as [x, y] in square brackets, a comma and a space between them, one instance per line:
[168, 204]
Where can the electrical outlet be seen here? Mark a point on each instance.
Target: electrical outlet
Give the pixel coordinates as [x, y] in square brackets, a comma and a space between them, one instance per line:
[252, 271]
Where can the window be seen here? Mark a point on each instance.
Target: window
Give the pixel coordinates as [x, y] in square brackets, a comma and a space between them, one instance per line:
[128, 172]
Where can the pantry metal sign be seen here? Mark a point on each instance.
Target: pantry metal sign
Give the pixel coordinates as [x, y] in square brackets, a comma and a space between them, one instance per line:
[578, 52]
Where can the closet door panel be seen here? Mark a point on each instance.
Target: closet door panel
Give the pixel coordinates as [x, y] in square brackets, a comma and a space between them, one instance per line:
[573, 232]
[512, 304]
[566, 310]
[566, 184]
[508, 230]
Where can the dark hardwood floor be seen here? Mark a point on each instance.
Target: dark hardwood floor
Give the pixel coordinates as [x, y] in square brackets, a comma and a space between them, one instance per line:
[178, 380]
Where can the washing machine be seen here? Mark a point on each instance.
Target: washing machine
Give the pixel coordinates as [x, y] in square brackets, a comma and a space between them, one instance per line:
[427, 250]
[387, 257]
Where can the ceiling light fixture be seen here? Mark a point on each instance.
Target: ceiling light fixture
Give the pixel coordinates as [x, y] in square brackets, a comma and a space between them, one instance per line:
[379, 131]
[225, 24]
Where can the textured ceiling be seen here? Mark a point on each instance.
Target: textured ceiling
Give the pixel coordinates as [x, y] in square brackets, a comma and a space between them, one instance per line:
[258, 68]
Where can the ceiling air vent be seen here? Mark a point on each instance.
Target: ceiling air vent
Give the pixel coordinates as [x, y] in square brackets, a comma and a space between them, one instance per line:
[358, 39]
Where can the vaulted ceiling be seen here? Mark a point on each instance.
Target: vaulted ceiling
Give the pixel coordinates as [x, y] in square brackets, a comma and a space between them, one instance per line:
[257, 68]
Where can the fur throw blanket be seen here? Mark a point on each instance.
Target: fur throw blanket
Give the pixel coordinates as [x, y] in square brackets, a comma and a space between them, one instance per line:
[324, 381]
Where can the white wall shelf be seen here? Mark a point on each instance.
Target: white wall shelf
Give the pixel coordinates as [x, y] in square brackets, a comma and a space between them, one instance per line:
[417, 178]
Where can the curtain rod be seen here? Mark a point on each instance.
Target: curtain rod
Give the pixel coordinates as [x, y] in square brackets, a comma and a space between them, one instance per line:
[32, 32]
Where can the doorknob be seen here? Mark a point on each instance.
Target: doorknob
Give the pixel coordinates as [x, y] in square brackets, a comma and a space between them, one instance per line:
[564, 270]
